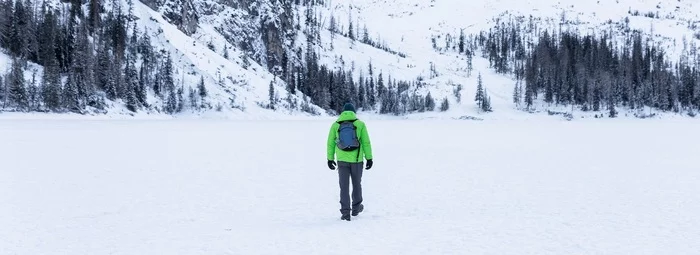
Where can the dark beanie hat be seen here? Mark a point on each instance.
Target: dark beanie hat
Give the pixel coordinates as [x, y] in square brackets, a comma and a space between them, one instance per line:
[349, 107]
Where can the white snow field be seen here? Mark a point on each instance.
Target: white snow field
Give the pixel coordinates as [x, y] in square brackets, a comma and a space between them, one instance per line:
[262, 187]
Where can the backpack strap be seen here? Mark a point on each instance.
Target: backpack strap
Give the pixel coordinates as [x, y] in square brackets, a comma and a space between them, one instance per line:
[359, 146]
[346, 121]
[343, 121]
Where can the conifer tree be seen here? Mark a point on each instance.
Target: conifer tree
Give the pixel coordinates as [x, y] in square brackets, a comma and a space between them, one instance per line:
[486, 103]
[445, 105]
[192, 95]
[479, 97]
[351, 29]
[18, 36]
[31, 29]
[132, 86]
[202, 90]
[71, 100]
[167, 72]
[271, 94]
[365, 36]
[17, 90]
[380, 85]
[171, 102]
[461, 41]
[429, 102]
[362, 94]
[612, 113]
[33, 94]
[51, 87]
[371, 92]
[458, 93]
[180, 99]
[517, 92]
[5, 23]
[143, 84]
[94, 19]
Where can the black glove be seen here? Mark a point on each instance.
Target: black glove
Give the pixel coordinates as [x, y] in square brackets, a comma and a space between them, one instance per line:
[369, 164]
[331, 164]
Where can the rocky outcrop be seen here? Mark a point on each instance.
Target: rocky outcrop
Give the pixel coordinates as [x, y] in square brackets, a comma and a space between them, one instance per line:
[182, 14]
[263, 29]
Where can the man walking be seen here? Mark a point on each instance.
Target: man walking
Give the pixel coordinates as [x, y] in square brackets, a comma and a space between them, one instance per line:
[349, 141]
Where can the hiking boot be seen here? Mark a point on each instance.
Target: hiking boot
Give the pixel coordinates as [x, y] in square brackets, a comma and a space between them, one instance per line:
[357, 211]
[345, 217]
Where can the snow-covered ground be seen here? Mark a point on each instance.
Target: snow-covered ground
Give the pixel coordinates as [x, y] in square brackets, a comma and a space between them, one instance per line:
[262, 187]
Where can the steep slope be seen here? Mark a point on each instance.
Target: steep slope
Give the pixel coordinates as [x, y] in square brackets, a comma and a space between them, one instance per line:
[237, 83]
[237, 73]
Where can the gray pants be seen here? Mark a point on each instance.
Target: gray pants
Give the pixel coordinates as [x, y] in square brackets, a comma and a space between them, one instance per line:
[347, 171]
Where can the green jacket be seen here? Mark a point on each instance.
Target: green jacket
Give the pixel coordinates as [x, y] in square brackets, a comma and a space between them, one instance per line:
[355, 156]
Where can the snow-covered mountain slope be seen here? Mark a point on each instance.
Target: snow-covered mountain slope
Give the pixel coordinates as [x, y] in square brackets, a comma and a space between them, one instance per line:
[406, 25]
[410, 26]
[257, 36]
[234, 66]
[238, 84]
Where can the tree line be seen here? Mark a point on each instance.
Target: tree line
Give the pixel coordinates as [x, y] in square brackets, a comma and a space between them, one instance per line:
[331, 88]
[602, 72]
[594, 72]
[86, 59]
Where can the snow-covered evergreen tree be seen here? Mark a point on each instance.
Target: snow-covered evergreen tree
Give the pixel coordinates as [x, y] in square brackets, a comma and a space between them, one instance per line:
[166, 72]
[271, 96]
[458, 93]
[71, 99]
[351, 28]
[192, 97]
[479, 95]
[17, 90]
[33, 94]
[429, 102]
[132, 87]
[612, 112]
[517, 93]
[361, 94]
[486, 103]
[180, 99]
[201, 88]
[461, 41]
[445, 105]
[171, 102]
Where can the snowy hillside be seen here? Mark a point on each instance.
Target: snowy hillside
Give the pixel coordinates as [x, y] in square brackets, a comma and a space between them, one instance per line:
[410, 26]
[248, 52]
[238, 84]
